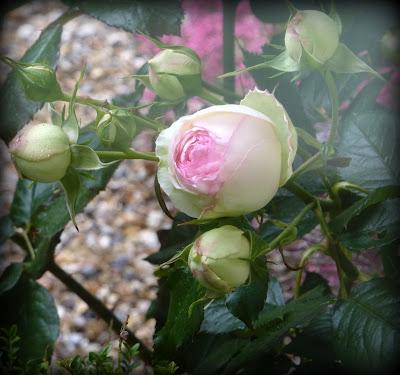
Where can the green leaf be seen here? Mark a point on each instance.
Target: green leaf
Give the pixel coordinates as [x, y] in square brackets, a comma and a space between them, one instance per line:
[31, 307]
[21, 208]
[151, 17]
[391, 262]
[180, 325]
[246, 301]
[378, 226]
[370, 136]
[10, 277]
[173, 240]
[367, 327]
[219, 320]
[314, 280]
[345, 61]
[274, 322]
[85, 158]
[16, 109]
[315, 344]
[340, 222]
[71, 184]
[6, 228]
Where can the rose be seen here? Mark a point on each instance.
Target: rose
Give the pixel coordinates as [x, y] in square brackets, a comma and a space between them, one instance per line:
[312, 35]
[227, 160]
[219, 258]
[41, 152]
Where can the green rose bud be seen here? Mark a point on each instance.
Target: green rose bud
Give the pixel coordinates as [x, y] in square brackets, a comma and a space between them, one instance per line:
[117, 128]
[41, 152]
[219, 259]
[173, 73]
[312, 35]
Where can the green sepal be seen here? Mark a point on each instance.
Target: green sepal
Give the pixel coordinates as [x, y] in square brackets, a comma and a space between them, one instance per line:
[144, 78]
[85, 158]
[282, 62]
[345, 61]
[70, 125]
[257, 244]
[56, 117]
[180, 255]
[71, 184]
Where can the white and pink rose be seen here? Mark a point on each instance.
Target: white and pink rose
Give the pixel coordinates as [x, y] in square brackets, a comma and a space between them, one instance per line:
[227, 160]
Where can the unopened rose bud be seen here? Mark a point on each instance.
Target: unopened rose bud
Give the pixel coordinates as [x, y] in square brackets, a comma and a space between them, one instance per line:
[39, 82]
[117, 128]
[175, 73]
[311, 35]
[219, 259]
[227, 160]
[41, 152]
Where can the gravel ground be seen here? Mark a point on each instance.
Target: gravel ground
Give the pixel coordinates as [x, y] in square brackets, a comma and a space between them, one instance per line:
[119, 227]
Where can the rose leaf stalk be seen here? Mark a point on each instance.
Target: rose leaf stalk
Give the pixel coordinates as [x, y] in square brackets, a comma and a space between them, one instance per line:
[95, 103]
[128, 154]
[276, 241]
[332, 90]
[304, 259]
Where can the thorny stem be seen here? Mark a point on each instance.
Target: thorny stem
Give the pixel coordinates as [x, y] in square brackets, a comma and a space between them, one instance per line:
[333, 251]
[304, 259]
[128, 154]
[307, 197]
[303, 167]
[105, 104]
[276, 241]
[99, 308]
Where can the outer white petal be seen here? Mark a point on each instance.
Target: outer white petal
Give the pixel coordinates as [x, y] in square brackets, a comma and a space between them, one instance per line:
[266, 103]
[252, 169]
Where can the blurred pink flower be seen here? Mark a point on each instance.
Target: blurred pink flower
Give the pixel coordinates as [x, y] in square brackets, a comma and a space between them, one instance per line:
[201, 30]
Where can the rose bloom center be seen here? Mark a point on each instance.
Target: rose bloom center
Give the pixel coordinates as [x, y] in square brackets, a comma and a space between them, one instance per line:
[198, 159]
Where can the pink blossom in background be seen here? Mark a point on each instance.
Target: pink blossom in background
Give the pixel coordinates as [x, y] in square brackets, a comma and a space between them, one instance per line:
[201, 30]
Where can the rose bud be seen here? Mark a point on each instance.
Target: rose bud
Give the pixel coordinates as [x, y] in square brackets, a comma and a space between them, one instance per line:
[38, 80]
[219, 259]
[173, 73]
[117, 129]
[311, 36]
[227, 160]
[41, 152]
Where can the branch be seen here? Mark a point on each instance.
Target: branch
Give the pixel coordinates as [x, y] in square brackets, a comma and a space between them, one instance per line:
[99, 308]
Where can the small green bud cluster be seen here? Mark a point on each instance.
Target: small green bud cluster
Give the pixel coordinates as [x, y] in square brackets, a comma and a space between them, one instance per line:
[116, 128]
